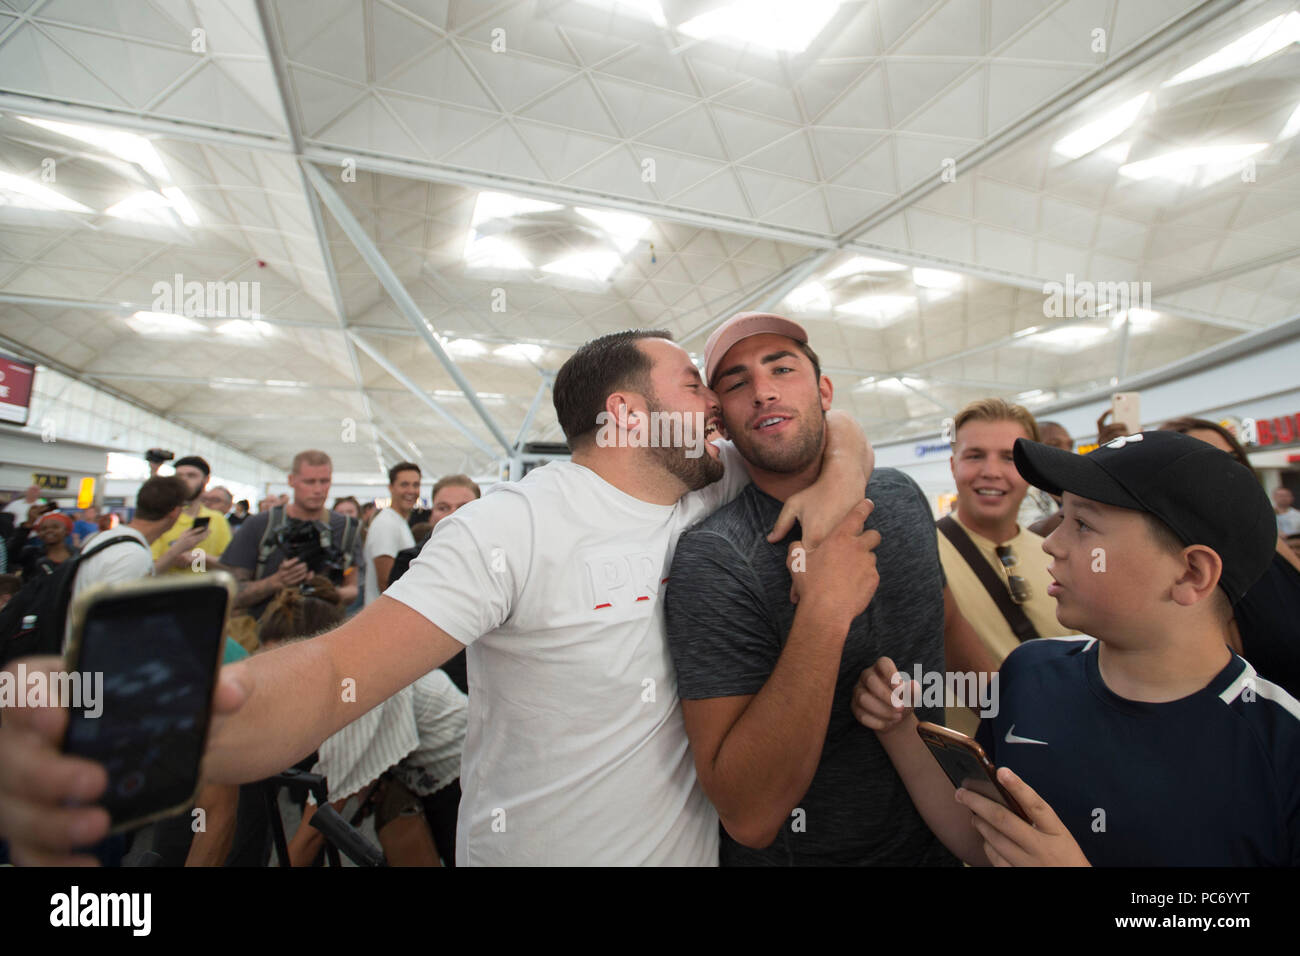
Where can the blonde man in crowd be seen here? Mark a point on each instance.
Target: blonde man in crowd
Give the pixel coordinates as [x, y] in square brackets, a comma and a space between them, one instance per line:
[996, 569]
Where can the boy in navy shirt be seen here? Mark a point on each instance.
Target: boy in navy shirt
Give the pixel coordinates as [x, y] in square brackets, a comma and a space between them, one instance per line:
[1149, 743]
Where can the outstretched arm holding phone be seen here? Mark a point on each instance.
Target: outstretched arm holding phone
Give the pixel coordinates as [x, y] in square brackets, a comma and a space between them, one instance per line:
[975, 828]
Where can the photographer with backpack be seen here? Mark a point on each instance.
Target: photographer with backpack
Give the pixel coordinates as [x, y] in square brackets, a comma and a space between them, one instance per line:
[288, 543]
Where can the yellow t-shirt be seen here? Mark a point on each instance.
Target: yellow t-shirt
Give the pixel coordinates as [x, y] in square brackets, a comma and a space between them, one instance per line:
[978, 607]
[213, 546]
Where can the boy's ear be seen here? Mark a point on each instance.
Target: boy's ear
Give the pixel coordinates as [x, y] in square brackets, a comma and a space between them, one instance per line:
[1202, 568]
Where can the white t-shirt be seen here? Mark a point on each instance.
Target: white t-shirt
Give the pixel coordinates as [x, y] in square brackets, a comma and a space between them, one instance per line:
[121, 562]
[575, 750]
[388, 534]
[19, 508]
[1288, 522]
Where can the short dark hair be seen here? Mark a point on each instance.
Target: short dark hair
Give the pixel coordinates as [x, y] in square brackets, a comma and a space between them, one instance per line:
[159, 495]
[10, 584]
[402, 466]
[194, 461]
[603, 365]
[244, 502]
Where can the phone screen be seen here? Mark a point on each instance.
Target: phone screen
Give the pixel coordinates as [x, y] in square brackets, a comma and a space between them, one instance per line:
[158, 657]
[964, 769]
[202, 522]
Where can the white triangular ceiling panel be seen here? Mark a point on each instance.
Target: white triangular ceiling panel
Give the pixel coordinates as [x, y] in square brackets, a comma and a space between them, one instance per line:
[499, 149]
[439, 128]
[440, 75]
[515, 79]
[575, 105]
[951, 30]
[39, 67]
[692, 132]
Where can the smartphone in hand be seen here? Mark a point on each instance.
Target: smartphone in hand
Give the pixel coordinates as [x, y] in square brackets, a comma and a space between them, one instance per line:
[201, 521]
[152, 649]
[966, 765]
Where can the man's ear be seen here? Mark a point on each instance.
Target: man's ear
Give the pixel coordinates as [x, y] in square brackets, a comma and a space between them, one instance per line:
[622, 410]
[827, 391]
[1202, 568]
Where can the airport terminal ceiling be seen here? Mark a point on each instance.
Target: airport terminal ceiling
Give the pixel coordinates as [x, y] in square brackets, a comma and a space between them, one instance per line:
[264, 220]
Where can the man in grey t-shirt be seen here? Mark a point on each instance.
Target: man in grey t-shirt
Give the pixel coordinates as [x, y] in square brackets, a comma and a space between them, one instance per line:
[766, 684]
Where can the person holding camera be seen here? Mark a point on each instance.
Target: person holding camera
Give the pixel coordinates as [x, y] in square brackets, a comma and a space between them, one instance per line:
[285, 545]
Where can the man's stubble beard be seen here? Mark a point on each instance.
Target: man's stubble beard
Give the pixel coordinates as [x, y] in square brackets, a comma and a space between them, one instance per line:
[694, 473]
[790, 458]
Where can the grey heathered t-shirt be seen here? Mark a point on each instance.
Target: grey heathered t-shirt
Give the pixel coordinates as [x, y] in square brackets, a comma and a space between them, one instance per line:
[728, 613]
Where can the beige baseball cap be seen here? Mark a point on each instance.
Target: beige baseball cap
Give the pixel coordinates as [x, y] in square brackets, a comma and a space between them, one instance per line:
[741, 326]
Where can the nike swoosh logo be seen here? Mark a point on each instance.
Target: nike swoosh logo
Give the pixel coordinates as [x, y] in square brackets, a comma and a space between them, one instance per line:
[1013, 739]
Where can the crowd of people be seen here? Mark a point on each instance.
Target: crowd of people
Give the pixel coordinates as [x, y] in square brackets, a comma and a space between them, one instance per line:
[644, 656]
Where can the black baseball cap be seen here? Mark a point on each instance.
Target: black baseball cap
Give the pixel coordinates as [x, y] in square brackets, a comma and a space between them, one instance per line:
[194, 461]
[1202, 494]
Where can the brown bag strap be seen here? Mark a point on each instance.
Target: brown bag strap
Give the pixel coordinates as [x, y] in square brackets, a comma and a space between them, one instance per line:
[1021, 626]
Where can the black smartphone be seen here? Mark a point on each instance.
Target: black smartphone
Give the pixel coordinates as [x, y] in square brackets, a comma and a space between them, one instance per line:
[201, 521]
[152, 648]
[966, 765]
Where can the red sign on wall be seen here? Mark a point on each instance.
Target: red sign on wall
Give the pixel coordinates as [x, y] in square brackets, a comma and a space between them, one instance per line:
[15, 390]
[1277, 431]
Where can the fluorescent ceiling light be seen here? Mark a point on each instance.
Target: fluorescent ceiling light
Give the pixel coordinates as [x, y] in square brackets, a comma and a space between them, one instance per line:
[1139, 320]
[164, 323]
[1070, 337]
[901, 386]
[149, 206]
[1292, 126]
[625, 228]
[1186, 166]
[1116, 153]
[1256, 45]
[642, 9]
[860, 264]
[808, 297]
[246, 329]
[1025, 333]
[936, 279]
[282, 383]
[502, 206]
[489, 252]
[1036, 396]
[234, 383]
[465, 348]
[775, 24]
[487, 398]
[597, 266]
[181, 205]
[881, 308]
[33, 195]
[123, 145]
[1100, 131]
[520, 351]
